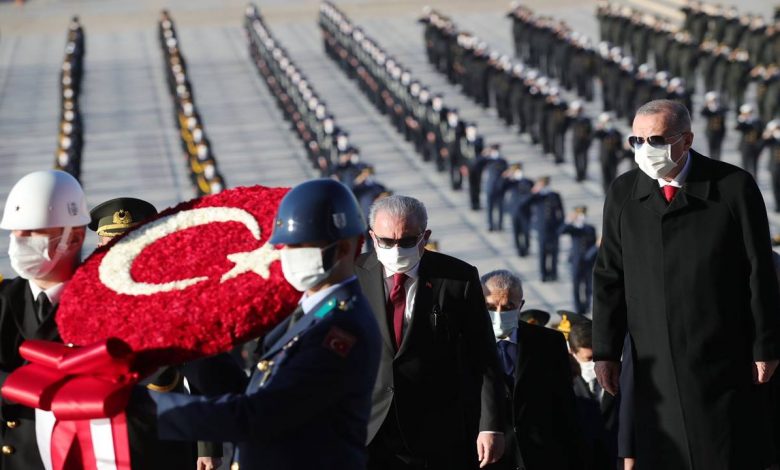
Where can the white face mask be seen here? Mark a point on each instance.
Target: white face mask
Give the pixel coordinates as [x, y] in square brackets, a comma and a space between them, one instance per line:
[30, 255]
[397, 259]
[579, 220]
[517, 175]
[504, 322]
[303, 267]
[588, 371]
[655, 162]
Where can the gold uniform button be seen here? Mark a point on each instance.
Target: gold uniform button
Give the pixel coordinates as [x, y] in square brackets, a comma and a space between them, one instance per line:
[12, 424]
[8, 450]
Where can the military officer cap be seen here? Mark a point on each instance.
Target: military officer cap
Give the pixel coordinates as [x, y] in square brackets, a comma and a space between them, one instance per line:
[117, 216]
[535, 317]
[581, 209]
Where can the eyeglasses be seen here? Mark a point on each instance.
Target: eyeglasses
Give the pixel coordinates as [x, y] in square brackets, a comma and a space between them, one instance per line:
[405, 242]
[656, 141]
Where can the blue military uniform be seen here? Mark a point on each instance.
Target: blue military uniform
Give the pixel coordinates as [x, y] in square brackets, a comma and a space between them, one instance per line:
[583, 239]
[495, 167]
[307, 405]
[547, 209]
[519, 190]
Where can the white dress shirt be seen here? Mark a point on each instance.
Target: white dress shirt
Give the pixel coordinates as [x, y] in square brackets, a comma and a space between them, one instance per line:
[53, 293]
[410, 287]
[678, 180]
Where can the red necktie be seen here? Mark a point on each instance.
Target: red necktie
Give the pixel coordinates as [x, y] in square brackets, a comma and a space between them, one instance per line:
[396, 306]
[669, 192]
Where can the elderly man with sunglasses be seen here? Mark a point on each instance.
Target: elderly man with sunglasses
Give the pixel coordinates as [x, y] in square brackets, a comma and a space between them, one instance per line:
[438, 401]
[685, 268]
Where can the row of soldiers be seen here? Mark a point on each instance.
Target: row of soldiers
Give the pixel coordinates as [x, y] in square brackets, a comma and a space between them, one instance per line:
[437, 131]
[724, 25]
[70, 138]
[327, 145]
[725, 68]
[198, 152]
[570, 57]
[532, 206]
[522, 96]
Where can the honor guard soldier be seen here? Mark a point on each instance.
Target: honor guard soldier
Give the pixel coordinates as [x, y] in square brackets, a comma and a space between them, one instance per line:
[519, 189]
[46, 212]
[547, 209]
[471, 148]
[771, 140]
[117, 216]
[715, 114]
[312, 387]
[583, 239]
[581, 137]
[750, 145]
[610, 148]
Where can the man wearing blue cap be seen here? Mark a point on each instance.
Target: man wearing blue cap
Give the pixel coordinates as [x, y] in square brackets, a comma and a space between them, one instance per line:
[308, 403]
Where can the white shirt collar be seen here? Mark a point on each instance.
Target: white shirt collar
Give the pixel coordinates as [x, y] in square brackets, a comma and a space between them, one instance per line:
[53, 293]
[308, 302]
[678, 180]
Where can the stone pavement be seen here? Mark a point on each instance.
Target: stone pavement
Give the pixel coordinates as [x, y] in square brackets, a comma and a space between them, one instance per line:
[131, 147]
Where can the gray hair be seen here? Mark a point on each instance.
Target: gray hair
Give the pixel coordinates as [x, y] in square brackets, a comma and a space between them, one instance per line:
[400, 207]
[502, 279]
[677, 116]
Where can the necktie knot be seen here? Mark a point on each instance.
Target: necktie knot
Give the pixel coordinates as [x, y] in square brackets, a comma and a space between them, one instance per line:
[43, 306]
[399, 279]
[669, 192]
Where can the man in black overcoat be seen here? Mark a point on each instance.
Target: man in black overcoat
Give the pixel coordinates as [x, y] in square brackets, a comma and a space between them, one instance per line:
[685, 267]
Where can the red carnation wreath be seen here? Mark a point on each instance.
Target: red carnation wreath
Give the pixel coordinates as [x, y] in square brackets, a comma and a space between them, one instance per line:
[195, 280]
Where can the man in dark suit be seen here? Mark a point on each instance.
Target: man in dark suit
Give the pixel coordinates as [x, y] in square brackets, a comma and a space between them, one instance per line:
[308, 404]
[542, 431]
[685, 247]
[439, 387]
[598, 411]
[46, 213]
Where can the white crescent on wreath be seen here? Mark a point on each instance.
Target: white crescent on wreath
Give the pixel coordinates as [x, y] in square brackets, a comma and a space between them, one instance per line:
[114, 269]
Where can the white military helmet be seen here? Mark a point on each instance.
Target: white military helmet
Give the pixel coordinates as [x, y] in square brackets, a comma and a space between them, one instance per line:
[45, 199]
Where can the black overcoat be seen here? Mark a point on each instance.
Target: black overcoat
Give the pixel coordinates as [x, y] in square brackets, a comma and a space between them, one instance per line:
[693, 282]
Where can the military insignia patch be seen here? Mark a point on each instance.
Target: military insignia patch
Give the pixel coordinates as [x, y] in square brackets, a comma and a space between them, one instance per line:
[339, 341]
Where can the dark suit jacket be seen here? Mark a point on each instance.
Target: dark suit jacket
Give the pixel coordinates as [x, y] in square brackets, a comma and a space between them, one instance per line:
[542, 431]
[16, 309]
[694, 284]
[445, 381]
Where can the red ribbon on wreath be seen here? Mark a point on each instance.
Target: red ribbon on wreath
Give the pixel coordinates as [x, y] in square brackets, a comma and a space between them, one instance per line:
[85, 388]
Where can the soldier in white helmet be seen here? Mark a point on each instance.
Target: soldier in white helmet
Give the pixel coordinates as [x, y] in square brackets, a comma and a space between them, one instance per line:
[46, 213]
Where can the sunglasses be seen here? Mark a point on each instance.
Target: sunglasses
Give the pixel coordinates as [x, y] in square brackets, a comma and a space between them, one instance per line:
[656, 141]
[405, 242]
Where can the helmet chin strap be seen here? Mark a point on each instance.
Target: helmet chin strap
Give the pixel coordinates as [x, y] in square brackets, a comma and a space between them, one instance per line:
[62, 246]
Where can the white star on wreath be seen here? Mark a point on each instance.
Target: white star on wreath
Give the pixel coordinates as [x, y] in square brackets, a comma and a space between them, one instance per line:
[257, 261]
